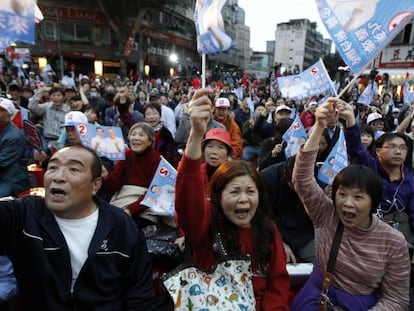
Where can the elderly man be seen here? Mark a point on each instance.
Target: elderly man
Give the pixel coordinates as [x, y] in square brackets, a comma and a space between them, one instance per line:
[13, 180]
[71, 250]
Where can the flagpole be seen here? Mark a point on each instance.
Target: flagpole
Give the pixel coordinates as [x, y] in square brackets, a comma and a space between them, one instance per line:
[349, 84]
[203, 70]
[330, 81]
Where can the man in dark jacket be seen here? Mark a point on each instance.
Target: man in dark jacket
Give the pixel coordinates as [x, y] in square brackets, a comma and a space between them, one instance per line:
[13, 164]
[71, 251]
[293, 223]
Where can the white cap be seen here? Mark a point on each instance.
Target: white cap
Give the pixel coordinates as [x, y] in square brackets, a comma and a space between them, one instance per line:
[7, 105]
[283, 107]
[312, 104]
[395, 110]
[72, 118]
[222, 102]
[373, 116]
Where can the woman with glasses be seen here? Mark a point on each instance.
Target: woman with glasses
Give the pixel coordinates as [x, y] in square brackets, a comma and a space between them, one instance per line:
[397, 204]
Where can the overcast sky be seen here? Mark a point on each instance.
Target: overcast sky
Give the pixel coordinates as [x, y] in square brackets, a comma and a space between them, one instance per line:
[262, 16]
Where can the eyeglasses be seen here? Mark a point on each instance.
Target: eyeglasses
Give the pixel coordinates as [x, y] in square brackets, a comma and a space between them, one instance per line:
[376, 123]
[393, 147]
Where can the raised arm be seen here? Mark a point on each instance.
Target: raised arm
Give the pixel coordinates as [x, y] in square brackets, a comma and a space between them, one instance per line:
[312, 196]
[34, 106]
[190, 201]
[200, 109]
[358, 153]
[407, 120]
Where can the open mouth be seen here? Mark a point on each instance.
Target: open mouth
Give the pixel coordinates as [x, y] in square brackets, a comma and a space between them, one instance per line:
[57, 192]
[348, 215]
[242, 212]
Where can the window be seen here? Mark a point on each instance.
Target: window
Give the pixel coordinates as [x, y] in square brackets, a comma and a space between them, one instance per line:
[49, 30]
[67, 32]
[83, 33]
[102, 35]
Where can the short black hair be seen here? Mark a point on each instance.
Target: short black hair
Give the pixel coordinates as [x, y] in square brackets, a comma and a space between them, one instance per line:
[28, 89]
[387, 136]
[56, 90]
[364, 179]
[14, 87]
[153, 106]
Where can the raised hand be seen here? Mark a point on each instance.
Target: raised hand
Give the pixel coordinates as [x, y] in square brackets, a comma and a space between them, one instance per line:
[200, 111]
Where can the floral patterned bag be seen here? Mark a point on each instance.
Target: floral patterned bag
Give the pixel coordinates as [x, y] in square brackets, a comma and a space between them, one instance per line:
[228, 286]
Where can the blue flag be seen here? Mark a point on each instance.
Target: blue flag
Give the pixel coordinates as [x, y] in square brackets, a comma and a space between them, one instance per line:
[211, 36]
[312, 81]
[335, 162]
[294, 137]
[17, 22]
[408, 95]
[160, 194]
[368, 94]
[360, 29]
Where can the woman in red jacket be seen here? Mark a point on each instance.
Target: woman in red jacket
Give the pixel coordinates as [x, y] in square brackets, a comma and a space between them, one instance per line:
[235, 221]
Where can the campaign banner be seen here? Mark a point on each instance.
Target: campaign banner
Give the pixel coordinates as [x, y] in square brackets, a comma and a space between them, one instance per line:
[408, 95]
[107, 141]
[294, 137]
[211, 36]
[17, 22]
[160, 195]
[310, 82]
[360, 29]
[32, 135]
[335, 162]
[368, 93]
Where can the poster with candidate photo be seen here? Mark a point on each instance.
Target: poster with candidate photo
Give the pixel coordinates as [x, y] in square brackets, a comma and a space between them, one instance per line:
[107, 141]
[161, 193]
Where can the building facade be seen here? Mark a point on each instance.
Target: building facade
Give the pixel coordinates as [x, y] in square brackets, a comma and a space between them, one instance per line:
[75, 35]
[299, 45]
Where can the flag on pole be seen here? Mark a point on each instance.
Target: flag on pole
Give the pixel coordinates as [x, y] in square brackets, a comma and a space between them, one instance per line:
[368, 94]
[335, 162]
[407, 94]
[294, 137]
[360, 29]
[211, 36]
[17, 21]
[313, 81]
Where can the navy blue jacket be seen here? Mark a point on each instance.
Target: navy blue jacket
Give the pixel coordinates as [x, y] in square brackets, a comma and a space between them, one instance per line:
[13, 170]
[116, 275]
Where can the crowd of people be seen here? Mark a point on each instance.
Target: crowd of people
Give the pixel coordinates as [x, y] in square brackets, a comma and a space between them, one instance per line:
[83, 245]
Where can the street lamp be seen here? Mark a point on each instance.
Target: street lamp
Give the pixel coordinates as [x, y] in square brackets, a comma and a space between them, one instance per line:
[147, 70]
[173, 58]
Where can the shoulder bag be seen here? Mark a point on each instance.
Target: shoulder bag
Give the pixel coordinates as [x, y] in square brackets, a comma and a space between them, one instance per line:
[324, 303]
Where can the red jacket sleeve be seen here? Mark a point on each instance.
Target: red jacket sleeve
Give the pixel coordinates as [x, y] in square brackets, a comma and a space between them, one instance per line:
[193, 214]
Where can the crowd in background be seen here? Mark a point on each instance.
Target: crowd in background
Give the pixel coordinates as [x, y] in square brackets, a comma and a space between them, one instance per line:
[248, 117]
